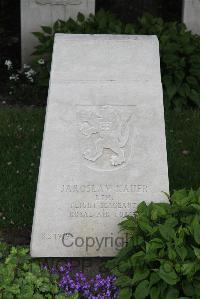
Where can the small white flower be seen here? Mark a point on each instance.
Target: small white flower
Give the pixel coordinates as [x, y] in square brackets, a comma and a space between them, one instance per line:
[14, 77]
[41, 61]
[26, 66]
[31, 79]
[29, 75]
[8, 63]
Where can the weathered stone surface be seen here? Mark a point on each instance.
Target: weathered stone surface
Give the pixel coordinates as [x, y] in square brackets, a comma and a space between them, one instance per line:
[104, 145]
[36, 13]
[191, 15]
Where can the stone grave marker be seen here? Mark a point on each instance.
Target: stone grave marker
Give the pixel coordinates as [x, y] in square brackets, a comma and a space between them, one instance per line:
[36, 13]
[104, 148]
[191, 15]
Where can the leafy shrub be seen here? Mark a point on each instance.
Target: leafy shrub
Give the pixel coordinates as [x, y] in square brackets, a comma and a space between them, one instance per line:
[179, 50]
[180, 61]
[162, 257]
[21, 278]
[29, 84]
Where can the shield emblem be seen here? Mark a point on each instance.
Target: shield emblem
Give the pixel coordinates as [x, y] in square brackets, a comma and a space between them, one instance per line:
[105, 135]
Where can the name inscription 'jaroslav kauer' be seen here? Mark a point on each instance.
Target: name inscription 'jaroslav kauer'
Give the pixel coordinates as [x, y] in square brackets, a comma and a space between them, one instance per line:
[127, 188]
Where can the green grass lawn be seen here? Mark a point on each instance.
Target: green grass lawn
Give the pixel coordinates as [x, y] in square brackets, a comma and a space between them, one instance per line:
[21, 132]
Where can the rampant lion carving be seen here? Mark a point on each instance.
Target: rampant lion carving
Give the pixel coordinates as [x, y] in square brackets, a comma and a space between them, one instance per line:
[58, 2]
[110, 133]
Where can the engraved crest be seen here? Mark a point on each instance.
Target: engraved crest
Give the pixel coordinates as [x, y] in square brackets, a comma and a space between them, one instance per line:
[105, 135]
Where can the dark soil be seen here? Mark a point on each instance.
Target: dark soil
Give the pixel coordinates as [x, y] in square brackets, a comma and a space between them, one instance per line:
[15, 236]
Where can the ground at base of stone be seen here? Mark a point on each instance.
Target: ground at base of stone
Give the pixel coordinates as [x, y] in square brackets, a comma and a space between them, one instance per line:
[89, 266]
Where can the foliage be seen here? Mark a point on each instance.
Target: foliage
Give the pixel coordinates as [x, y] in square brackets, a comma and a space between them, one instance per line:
[179, 50]
[28, 83]
[180, 61]
[22, 278]
[162, 257]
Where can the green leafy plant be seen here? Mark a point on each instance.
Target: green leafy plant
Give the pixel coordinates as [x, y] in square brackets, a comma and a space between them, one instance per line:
[22, 278]
[162, 257]
[29, 84]
[179, 50]
[180, 61]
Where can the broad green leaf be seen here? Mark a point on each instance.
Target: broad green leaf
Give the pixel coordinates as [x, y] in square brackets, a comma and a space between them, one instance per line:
[178, 196]
[47, 29]
[140, 274]
[195, 97]
[75, 296]
[167, 273]
[124, 281]
[196, 284]
[129, 29]
[196, 207]
[142, 208]
[142, 290]
[62, 296]
[155, 292]
[80, 17]
[171, 252]
[137, 257]
[154, 244]
[37, 296]
[197, 252]
[172, 293]
[167, 231]
[41, 37]
[182, 252]
[154, 279]
[188, 268]
[145, 227]
[124, 266]
[188, 288]
[125, 293]
[157, 212]
[171, 91]
[195, 228]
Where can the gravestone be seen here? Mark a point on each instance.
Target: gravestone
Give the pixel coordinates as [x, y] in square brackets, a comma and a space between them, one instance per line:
[191, 15]
[104, 148]
[36, 13]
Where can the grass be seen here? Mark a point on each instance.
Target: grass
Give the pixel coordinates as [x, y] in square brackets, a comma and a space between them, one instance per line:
[21, 132]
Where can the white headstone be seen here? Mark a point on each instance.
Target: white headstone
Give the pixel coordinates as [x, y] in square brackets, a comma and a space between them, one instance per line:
[191, 15]
[104, 148]
[36, 13]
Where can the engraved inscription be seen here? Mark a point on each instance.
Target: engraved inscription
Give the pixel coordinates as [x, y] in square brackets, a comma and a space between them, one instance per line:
[105, 128]
[119, 188]
[104, 202]
[58, 2]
